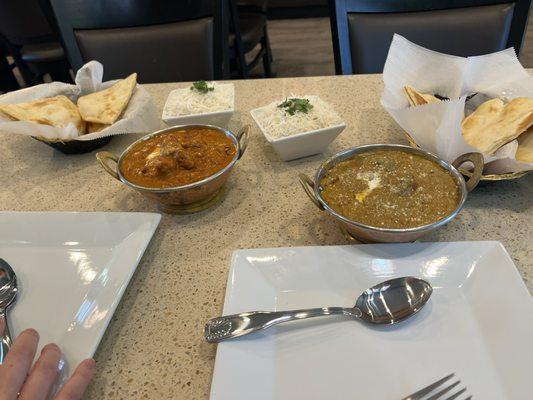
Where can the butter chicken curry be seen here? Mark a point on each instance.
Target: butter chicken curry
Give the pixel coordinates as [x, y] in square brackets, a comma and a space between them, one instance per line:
[177, 158]
[390, 189]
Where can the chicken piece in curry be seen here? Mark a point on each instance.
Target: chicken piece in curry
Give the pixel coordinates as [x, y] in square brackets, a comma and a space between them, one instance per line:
[177, 158]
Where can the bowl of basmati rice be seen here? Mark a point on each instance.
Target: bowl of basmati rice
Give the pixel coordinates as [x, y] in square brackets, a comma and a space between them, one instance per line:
[298, 127]
[202, 103]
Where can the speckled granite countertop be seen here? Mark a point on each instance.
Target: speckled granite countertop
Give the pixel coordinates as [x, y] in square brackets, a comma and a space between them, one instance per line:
[153, 348]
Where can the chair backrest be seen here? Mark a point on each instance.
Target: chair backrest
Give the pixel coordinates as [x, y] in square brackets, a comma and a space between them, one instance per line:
[161, 40]
[252, 5]
[363, 29]
[23, 22]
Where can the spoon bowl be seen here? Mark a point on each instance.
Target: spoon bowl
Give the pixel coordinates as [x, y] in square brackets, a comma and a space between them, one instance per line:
[393, 301]
[8, 293]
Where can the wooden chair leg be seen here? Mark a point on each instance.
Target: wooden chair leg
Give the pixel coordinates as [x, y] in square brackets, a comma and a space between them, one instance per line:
[7, 79]
[241, 61]
[267, 41]
[238, 45]
[28, 76]
[266, 58]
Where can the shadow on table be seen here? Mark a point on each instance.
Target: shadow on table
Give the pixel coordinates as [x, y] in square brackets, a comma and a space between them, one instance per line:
[37, 160]
[515, 195]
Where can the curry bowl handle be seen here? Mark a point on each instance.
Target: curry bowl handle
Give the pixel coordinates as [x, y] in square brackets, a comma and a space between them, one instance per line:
[103, 157]
[242, 138]
[309, 188]
[479, 163]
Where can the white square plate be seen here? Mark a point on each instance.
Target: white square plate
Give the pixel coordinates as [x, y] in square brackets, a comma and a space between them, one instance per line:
[72, 269]
[478, 324]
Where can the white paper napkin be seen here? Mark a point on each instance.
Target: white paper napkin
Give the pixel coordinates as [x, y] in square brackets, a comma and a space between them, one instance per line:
[140, 115]
[437, 127]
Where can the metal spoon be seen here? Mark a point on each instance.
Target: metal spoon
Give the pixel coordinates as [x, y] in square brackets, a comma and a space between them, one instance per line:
[386, 303]
[8, 292]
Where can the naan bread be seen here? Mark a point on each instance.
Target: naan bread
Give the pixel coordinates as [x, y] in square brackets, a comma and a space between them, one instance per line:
[95, 127]
[494, 124]
[105, 106]
[417, 99]
[56, 111]
[524, 153]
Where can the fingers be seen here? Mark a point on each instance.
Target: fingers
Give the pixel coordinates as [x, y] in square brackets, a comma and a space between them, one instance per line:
[76, 385]
[43, 374]
[17, 363]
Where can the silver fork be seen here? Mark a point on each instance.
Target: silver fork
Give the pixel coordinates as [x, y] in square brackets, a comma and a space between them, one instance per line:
[438, 390]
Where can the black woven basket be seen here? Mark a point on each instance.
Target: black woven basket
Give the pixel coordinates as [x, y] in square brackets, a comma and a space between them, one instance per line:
[76, 146]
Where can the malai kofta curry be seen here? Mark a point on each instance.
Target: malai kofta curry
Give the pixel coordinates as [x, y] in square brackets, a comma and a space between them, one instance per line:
[177, 158]
[390, 189]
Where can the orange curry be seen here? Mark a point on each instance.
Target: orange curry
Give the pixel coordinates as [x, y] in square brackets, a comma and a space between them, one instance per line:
[177, 158]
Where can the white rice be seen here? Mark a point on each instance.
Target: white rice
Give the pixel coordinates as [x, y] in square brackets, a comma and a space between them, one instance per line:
[276, 123]
[187, 102]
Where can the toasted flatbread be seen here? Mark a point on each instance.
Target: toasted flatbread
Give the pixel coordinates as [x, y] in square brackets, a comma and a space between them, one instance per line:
[56, 111]
[524, 153]
[494, 124]
[3, 115]
[105, 106]
[417, 99]
[94, 127]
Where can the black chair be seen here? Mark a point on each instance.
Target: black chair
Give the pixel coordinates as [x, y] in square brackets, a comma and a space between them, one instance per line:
[31, 41]
[161, 40]
[7, 79]
[248, 29]
[363, 29]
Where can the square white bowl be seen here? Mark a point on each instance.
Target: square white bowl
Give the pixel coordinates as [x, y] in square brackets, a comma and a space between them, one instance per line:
[216, 118]
[301, 144]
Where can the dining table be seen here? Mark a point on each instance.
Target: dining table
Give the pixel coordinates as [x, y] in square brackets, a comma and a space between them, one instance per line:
[154, 346]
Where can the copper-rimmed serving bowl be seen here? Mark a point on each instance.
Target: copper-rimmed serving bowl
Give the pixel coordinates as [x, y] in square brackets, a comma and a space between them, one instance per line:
[185, 199]
[369, 234]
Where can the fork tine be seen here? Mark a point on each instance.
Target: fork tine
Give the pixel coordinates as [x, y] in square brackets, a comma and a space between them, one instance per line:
[422, 392]
[460, 392]
[439, 395]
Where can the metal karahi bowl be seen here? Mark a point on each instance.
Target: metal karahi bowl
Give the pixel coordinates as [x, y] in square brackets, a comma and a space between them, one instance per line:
[371, 234]
[188, 198]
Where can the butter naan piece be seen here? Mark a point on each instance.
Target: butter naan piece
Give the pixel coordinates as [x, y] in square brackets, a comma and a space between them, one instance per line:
[105, 106]
[95, 127]
[56, 111]
[494, 123]
[416, 98]
[524, 153]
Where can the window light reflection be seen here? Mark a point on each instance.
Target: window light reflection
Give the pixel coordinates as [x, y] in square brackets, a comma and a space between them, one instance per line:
[83, 265]
[259, 260]
[433, 267]
[382, 267]
[82, 313]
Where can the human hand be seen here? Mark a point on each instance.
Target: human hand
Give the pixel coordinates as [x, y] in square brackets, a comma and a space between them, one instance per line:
[17, 382]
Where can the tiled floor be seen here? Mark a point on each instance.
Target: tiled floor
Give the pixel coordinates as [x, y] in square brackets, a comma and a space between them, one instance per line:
[303, 47]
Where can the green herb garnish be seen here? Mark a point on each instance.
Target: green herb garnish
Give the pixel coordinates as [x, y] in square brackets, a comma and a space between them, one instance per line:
[292, 106]
[201, 86]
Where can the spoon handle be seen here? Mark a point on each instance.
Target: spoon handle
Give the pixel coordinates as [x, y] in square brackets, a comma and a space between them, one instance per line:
[5, 337]
[230, 326]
